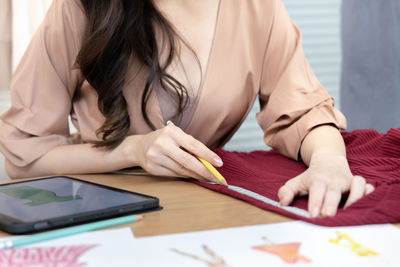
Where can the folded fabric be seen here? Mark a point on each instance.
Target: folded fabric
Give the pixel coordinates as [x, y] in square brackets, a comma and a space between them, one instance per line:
[256, 177]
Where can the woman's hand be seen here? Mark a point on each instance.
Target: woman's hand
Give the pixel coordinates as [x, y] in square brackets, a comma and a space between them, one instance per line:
[326, 179]
[170, 152]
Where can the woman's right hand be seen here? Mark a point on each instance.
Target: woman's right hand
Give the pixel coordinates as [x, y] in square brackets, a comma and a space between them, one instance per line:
[170, 152]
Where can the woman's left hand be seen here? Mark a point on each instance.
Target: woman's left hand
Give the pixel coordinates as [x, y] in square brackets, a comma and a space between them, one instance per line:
[326, 179]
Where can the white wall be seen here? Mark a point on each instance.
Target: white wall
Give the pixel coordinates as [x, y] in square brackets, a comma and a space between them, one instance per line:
[319, 21]
[26, 17]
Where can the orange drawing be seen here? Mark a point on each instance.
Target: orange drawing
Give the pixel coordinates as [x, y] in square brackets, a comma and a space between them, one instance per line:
[214, 262]
[345, 240]
[288, 252]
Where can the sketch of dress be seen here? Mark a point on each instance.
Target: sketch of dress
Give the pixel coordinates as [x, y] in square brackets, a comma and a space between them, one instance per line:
[288, 252]
[215, 260]
[44, 256]
[345, 240]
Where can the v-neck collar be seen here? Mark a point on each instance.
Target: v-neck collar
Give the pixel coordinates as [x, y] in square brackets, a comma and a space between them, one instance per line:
[208, 68]
[212, 48]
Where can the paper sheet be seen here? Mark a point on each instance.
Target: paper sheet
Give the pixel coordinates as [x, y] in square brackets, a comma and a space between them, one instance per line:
[105, 248]
[283, 244]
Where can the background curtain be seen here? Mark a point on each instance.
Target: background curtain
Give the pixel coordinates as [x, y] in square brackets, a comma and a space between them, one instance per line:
[370, 87]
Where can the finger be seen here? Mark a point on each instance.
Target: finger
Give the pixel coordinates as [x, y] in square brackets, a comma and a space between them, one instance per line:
[197, 148]
[182, 162]
[192, 164]
[181, 170]
[369, 188]
[331, 202]
[290, 189]
[316, 197]
[163, 165]
[357, 190]
[159, 170]
[169, 168]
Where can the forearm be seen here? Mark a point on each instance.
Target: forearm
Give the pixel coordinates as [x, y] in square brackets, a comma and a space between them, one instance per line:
[75, 159]
[325, 139]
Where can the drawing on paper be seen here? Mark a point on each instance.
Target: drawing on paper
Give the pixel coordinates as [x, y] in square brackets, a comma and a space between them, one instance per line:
[44, 256]
[345, 240]
[215, 260]
[288, 252]
[36, 196]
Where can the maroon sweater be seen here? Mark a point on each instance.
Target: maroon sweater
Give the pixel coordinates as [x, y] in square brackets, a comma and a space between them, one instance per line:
[372, 155]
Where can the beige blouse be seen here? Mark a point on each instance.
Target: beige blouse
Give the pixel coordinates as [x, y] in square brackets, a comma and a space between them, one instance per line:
[256, 50]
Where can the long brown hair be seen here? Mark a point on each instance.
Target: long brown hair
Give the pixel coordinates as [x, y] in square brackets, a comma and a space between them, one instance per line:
[117, 31]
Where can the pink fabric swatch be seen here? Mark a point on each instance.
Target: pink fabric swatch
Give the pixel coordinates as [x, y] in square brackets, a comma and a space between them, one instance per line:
[373, 155]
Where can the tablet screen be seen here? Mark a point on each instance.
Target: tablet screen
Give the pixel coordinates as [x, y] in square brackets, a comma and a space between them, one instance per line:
[50, 198]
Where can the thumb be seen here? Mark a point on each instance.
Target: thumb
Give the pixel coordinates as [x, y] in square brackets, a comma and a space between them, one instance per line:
[290, 189]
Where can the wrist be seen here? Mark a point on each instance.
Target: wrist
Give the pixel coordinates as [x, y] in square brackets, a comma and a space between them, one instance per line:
[126, 153]
[327, 155]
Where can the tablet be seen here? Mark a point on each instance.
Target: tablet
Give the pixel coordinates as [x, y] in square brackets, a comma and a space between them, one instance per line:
[53, 202]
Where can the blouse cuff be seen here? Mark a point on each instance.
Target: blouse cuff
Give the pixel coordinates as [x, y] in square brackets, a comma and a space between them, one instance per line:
[21, 149]
[288, 140]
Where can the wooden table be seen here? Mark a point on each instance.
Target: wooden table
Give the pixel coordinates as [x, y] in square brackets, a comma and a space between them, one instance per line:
[186, 206]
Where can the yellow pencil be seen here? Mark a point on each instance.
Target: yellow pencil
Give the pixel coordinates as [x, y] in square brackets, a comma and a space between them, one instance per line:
[208, 165]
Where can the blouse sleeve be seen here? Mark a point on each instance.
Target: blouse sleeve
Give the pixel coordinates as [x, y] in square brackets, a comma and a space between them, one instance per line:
[292, 99]
[42, 87]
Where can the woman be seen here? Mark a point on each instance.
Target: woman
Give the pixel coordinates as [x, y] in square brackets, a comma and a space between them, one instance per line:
[121, 69]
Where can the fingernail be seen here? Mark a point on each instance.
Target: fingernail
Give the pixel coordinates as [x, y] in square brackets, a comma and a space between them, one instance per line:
[324, 212]
[218, 161]
[314, 212]
[329, 211]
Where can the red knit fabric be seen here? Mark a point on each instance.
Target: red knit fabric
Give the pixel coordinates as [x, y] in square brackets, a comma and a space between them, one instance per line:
[373, 155]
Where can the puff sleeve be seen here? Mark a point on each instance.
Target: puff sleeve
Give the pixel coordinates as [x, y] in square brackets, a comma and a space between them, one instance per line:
[292, 100]
[43, 86]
